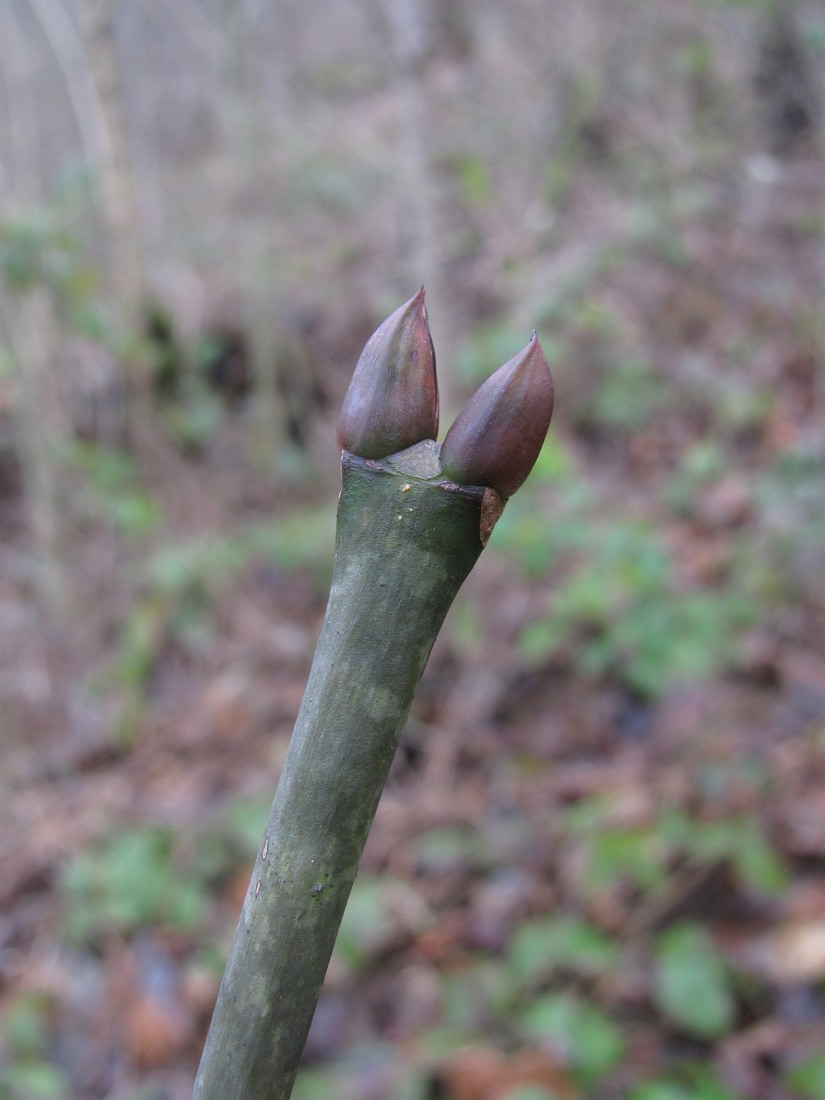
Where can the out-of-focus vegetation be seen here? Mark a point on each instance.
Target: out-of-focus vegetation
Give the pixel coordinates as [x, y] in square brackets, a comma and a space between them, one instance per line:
[597, 870]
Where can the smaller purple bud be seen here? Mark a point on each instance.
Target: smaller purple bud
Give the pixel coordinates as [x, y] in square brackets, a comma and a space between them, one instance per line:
[392, 400]
[496, 438]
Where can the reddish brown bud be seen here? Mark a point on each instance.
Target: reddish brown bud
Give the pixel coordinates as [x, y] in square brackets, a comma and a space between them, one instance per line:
[497, 436]
[392, 400]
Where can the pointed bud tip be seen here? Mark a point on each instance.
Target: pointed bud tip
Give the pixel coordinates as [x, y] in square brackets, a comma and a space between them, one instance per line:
[392, 400]
[497, 436]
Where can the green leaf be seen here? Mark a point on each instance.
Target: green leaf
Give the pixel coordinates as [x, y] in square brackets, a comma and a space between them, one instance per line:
[588, 1040]
[539, 640]
[488, 345]
[366, 1068]
[636, 855]
[661, 1090]
[135, 515]
[25, 1026]
[630, 394]
[699, 1083]
[245, 819]
[473, 177]
[554, 461]
[739, 841]
[130, 881]
[447, 849]
[378, 911]
[114, 490]
[691, 983]
[541, 947]
[472, 994]
[366, 923]
[808, 1078]
[33, 1081]
[759, 865]
[529, 1092]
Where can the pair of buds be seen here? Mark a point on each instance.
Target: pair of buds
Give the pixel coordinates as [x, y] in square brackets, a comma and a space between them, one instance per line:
[392, 404]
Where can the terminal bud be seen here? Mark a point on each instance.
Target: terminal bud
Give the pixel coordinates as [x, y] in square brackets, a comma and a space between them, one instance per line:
[497, 436]
[392, 400]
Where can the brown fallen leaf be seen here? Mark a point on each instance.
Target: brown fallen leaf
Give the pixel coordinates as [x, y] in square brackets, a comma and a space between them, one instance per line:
[792, 954]
[156, 1031]
[483, 1073]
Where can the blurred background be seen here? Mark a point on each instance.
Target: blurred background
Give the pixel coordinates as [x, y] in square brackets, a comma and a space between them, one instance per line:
[598, 867]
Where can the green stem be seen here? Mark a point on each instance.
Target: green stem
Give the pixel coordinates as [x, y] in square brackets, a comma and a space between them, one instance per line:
[406, 540]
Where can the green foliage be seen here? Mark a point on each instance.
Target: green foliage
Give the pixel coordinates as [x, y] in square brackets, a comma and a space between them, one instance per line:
[696, 1083]
[132, 880]
[35, 1080]
[791, 499]
[25, 1072]
[180, 584]
[808, 1077]
[40, 247]
[618, 605]
[692, 985]
[489, 346]
[529, 1092]
[701, 465]
[734, 402]
[186, 403]
[537, 544]
[588, 1040]
[645, 855]
[629, 396]
[553, 464]
[377, 911]
[203, 565]
[474, 180]
[194, 417]
[26, 1024]
[474, 995]
[44, 247]
[323, 182]
[445, 849]
[114, 492]
[241, 825]
[141, 639]
[153, 875]
[485, 995]
[377, 1063]
[620, 609]
[662, 1090]
[541, 947]
[738, 841]
[631, 855]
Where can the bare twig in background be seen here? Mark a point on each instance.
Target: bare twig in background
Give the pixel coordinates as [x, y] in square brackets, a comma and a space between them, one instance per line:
[113, 163]
[256, 237]
[23, 177]
[67, 47]
[409, 45]
[32, 337]
[29, 326]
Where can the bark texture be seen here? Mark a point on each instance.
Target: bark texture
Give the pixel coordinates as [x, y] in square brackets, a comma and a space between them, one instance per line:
[406, 540]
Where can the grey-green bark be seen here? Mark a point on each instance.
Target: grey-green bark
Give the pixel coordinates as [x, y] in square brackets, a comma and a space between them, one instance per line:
[406, 540]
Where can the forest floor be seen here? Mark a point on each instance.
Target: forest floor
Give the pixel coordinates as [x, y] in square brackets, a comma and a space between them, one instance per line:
[598, 868]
